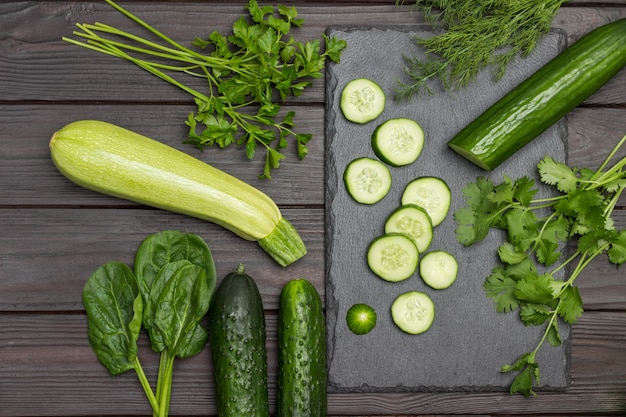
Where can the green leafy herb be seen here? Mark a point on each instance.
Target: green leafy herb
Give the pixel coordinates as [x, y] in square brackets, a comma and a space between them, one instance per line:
[245, 71]
[579, 210]
[169, 300]
[476, 35]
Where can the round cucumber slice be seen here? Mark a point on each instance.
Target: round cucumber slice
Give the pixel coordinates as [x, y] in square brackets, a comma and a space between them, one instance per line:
[362, 100]
[438, 269]
[367, 180]
[413, 221]
[398, 141]
[430, 193]
[361, 319]
[413, 312]
[393, 257]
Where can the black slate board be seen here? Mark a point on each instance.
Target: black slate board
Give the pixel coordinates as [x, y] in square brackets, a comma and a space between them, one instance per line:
[468, 342]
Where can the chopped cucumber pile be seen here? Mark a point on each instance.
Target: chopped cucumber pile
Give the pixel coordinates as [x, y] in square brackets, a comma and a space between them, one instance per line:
[367, 180]
[362, 100]
[361, 318]
[402, 249]
[398, 141]
[413, 312]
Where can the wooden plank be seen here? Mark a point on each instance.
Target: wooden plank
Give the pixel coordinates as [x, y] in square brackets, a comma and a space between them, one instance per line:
[48, 364]
[65, 72]
[28, 176]
[46, 255]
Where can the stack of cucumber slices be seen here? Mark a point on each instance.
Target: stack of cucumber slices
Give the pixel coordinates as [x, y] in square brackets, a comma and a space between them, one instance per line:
[401, 250]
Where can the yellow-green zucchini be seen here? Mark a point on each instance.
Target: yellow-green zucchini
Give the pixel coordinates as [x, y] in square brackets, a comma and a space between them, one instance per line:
[544, 98]
[112, 160]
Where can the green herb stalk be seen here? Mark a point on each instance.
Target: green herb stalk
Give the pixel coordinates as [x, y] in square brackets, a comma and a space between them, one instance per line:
[475, 35]
[535, 228]
[244, 72]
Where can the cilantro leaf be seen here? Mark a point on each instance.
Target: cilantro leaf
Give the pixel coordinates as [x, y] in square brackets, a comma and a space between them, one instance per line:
[570, 307]
[558, 174]
[500, 287]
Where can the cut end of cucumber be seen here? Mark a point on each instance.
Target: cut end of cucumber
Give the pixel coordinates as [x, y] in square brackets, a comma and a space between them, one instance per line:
[362, 100]
[361, 319]
[413, 312]
[284, 244]
[470, 156]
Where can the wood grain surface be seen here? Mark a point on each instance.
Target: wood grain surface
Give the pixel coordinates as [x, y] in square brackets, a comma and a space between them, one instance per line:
[53, 234]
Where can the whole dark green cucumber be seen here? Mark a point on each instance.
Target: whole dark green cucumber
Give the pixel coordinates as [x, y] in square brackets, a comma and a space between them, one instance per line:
[301, 352]
[544, 98]
[237, 339]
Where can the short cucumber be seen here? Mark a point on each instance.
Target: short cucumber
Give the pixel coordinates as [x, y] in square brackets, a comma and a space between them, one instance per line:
[398, 141]
[361, 318]
[413, 312]
[438, 269]
[393, 257]
[430, 193]
[367, 180]
[301, 352]
[362, 100]
[543, 98]
[237, 338]
[413, 221]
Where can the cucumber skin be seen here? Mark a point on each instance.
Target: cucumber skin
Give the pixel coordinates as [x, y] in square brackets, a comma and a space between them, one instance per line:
[237, 339]
[543, 98]
[302, 374]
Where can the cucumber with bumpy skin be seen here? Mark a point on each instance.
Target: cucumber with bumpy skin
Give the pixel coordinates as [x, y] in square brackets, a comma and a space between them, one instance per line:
[301, 352]
[237, 340]
[115, 161]
[543, 98]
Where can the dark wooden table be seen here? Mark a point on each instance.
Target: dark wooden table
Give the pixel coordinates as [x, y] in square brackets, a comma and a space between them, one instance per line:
[54, 234]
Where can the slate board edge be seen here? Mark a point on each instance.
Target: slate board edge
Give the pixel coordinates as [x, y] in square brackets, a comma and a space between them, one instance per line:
[331, 183]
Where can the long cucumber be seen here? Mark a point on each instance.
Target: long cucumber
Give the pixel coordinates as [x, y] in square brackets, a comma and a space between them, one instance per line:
[543, 98]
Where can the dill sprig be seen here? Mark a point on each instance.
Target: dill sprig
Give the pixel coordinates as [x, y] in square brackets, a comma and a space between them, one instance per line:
[476, 35]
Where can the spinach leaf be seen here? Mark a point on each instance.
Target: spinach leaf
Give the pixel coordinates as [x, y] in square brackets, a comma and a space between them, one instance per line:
[169, 246]
[114, 314]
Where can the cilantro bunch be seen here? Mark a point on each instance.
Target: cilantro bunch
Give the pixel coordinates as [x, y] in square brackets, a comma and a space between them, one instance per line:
[247, 73]
[529, 279]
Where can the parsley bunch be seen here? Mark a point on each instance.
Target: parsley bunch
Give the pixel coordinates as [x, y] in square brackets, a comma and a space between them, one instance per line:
[246, 72]
[479, 34]
[528, 278]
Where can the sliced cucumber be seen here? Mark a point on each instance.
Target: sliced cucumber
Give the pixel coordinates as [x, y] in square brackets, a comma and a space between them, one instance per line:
[393, 257]
[438, 269]
[413, 312]
[361, 319]
[398, 141]
[367, 180]
[430, 193]
[413, 221]
[362, 100]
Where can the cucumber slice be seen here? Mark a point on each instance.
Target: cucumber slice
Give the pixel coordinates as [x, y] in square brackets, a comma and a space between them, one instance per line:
[393, 257]
[413, 221]
[413, 312]
[398, 141]
[438, 269]
[362, 100]
[367, 180]
[430, 193]
[361, 319]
